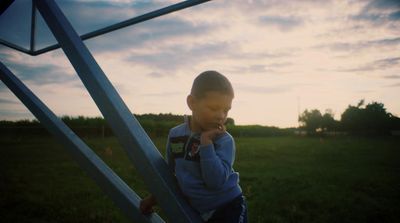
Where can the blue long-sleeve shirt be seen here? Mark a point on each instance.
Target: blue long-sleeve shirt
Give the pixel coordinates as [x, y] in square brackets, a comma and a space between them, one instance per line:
[204, 173]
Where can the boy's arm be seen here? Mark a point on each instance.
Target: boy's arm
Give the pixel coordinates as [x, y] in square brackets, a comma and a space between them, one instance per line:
[216, 165]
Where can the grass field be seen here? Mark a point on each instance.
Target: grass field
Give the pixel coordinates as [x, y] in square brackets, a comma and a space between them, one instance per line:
[285, 179]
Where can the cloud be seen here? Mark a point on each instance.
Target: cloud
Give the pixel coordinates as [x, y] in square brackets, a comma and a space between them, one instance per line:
[164, 94]
[379, 12]
[272, 68]
[156, 74]
[51, 68]
[250, 41]
[280, 22]
[360, 45]
[42, 74]
[15, 114]
[392, 76]
[8, 101]
[382, 4]
[191, 53]
[393, 85]
[375, 65]
[3, 88]
[286, 6]
[178, 56]
[251, 69]
[84, 15]
[262, 89]
[148, 34]
[388, 62]
[395, 16]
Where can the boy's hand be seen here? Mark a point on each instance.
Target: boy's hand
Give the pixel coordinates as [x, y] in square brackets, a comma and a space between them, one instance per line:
[146, 205]
[208, 136]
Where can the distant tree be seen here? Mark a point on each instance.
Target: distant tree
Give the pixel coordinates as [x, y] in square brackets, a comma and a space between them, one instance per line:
[372, 119]
[314, 122]
[394, 123]
[352, 119]
[311, 120]
[328, 123]
[360, 103]
[230, 121]
[377, 118]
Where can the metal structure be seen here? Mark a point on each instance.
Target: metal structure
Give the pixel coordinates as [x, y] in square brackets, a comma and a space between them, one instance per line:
[138, 146]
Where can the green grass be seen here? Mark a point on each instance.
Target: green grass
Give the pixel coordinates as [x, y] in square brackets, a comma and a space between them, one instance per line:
[285, 179]
[313, 180]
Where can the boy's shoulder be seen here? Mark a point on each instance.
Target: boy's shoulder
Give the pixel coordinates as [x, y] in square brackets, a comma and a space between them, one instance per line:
[179, 130]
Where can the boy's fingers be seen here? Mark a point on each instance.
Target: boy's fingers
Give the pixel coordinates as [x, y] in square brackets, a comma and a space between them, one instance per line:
[145, 207]
[148, 211]
[221, 128]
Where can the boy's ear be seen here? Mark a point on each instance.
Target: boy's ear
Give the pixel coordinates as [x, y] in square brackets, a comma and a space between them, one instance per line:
[190, 101]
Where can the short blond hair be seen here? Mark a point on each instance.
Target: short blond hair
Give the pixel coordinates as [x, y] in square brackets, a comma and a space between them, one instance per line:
[209, 81]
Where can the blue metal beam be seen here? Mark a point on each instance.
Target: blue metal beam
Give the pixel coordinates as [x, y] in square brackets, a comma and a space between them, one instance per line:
[125, 198]
[4, 5]
[120, 25]
[15, 47]
[33, 27]
[139, 147]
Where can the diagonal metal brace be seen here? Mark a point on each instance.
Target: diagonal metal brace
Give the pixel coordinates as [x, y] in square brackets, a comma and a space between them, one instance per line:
[139, 147]
[126, 23]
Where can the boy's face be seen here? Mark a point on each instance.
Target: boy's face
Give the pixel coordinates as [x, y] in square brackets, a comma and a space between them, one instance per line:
[210, 111]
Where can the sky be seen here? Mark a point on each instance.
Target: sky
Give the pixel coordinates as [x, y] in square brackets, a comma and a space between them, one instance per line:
[282, 57]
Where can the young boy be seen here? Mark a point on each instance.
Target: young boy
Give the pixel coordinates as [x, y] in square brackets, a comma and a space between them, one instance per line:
[201, 154]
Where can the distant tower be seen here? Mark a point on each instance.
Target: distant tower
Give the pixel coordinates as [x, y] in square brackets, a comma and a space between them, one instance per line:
[298, 111]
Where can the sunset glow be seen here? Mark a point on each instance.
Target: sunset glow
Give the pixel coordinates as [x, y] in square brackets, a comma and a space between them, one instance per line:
[282, 57]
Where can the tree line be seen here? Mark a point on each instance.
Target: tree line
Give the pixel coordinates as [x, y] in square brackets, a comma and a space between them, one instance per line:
[155, 125]
[360, 119]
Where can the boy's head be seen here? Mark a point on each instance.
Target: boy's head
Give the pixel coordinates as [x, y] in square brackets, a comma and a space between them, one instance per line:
[209, 81]
[210, 100]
